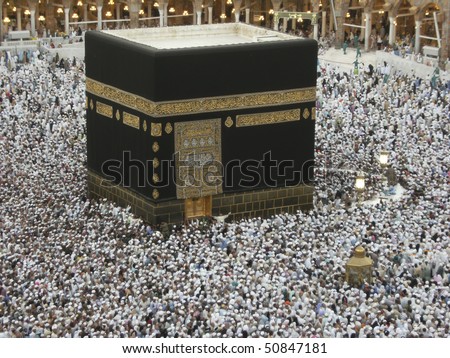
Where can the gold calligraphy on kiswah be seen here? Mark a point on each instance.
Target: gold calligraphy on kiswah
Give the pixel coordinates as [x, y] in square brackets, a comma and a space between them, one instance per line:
[131, 120]
[199, 105]
[257, 119]
[104, 109]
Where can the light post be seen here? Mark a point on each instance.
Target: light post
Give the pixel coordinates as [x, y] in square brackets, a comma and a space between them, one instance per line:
[388, 172]
[384, 158]
[360, 185]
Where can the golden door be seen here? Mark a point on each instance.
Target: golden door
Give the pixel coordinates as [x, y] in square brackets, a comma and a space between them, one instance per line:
[197, 207]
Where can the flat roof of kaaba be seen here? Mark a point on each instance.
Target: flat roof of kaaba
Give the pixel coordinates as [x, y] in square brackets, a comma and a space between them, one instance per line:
[178, 37]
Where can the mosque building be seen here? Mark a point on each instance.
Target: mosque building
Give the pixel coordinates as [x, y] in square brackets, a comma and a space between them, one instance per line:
[419, 22]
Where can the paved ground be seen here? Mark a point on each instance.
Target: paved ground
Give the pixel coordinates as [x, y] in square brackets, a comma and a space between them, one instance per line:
[345, 62]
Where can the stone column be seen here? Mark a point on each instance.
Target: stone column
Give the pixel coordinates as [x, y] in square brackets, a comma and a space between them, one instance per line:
[118, 11]
[237, 9]
[315, 9]
[339, 31]
[208, 4]
[36, 19]
[248, 4]
[197, 6]
[32, 5]
[99, 16]
[417, 36]
[4, 26]
[1, 19]
[50, 20]
[166, 12]
[392, 28]
[285, 24]
[206, 15]
[445, 36]
[276, 7]
[222, 10]
[19, 18]
[66, 20]
[85, 15]
[67, 5]
[368, 16]
[161, 16]
[340, 8]
[33, 22]
[331, 22]
[134, 6]
[324, 23]
[363, 33]
[149, 12]
[163, 12]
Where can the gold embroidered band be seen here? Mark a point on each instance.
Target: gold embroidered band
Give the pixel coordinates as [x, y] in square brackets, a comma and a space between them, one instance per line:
[200, 105]
[257, 119]
[104, 109]
[131, 120]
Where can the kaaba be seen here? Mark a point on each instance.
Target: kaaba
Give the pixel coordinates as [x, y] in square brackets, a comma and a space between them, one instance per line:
[193, 121]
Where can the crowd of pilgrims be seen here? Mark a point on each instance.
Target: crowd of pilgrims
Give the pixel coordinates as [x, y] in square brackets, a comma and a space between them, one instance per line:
[75, 267]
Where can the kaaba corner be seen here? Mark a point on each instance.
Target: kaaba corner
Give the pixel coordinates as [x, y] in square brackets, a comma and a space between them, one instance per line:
[192, 121]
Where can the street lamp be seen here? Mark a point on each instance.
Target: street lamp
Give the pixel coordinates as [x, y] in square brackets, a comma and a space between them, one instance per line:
[384, 157]
[360, 183]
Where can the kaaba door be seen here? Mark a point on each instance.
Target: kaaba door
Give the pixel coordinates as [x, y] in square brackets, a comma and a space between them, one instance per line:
[198, 207]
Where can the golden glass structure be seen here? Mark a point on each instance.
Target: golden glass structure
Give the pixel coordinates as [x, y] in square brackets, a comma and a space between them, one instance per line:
[359, 268]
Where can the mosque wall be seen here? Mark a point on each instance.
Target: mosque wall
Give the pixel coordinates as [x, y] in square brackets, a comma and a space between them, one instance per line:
[17, 12]
[260, 203]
